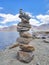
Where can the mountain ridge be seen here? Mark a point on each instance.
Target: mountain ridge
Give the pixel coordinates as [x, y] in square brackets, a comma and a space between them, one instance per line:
[44, 27]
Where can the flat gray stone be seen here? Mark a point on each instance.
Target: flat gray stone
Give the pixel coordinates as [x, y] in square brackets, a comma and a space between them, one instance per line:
[24, 20]
[25, 56]
[22, 29]
[22, 24]
[22, 40]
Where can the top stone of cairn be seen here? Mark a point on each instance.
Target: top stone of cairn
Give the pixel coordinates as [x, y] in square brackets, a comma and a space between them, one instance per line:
[24, 16]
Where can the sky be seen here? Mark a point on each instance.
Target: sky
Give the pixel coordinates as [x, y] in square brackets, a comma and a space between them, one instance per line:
[38, 10]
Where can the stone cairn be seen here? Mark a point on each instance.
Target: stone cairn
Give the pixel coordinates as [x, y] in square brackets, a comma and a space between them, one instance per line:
[25, 53]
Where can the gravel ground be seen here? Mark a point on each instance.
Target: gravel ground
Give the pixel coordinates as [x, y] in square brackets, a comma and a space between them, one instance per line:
[41, 54]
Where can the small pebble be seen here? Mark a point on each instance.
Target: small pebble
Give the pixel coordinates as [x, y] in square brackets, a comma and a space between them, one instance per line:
[38, 63]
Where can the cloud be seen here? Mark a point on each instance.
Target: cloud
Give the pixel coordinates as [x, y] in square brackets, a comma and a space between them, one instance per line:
[15, 24]
[1, 8]
[9, 18]
[30, 14]
[39, 19]
[35, 20]
[1, 26]
[43, 18]
[47, 12]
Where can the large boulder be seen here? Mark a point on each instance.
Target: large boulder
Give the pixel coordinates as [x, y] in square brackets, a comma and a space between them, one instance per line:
[22, 40]
[27, 48]
[25, 34]
[25, 56]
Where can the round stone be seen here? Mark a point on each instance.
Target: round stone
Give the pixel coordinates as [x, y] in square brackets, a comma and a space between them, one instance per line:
[25, 34]
[25, 56]
[22, 40]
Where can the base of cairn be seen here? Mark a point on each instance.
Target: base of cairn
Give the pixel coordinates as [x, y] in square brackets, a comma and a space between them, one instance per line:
[25, 57]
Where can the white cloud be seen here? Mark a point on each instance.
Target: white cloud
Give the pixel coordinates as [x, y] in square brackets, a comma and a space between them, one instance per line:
[43, 18]
[47, 12]
[1, 8]
[39, 19]
[3, 26]
[9, 18]
[30, 14]
[14, 24]
[35, 20]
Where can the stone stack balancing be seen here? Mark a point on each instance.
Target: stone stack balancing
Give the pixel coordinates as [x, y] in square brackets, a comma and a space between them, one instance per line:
[26, 52]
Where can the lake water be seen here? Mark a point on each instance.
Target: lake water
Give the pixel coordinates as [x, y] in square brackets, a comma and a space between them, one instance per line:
[7, 38]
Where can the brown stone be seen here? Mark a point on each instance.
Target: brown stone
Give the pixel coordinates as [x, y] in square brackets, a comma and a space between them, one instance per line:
[27, 48]
[13, 46]
[25, 56]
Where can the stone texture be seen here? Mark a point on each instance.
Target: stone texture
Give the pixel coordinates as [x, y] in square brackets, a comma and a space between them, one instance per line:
[22, 40]
[22, 24]
[24, 20]
[25, 56]
[25, 34]
[22, 29]
[23, 15]
[46, 40]
[27, 48]
[26, 51]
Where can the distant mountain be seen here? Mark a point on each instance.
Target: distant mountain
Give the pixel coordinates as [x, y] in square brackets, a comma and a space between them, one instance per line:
[44, 27]
[10, 28]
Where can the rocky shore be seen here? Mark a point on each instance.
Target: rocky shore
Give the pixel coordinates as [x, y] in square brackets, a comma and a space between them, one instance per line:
[41, 54]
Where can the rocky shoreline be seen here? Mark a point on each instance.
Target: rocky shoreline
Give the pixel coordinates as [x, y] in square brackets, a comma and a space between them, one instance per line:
[41, 54]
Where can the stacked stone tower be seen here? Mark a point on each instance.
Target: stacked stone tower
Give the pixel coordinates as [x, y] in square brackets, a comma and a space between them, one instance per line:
[26, 52]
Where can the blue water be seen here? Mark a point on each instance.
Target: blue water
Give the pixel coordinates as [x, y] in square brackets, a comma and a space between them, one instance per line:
[7, 38]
